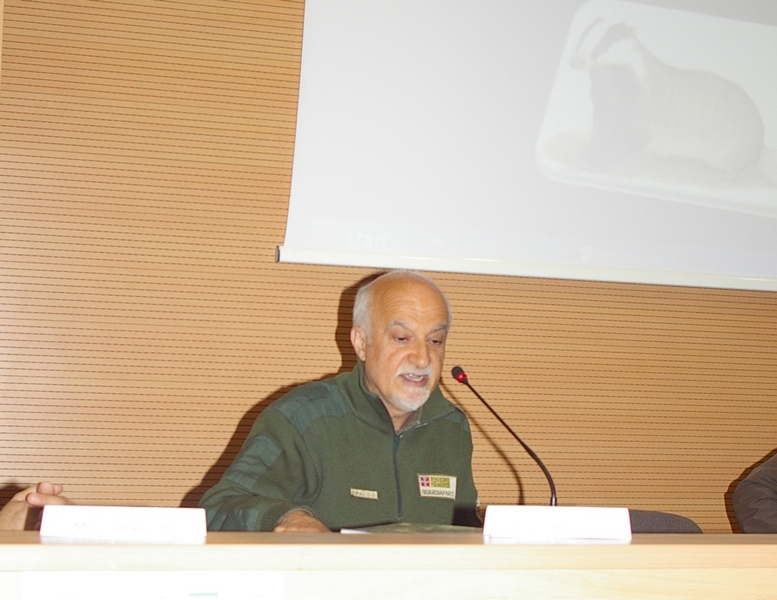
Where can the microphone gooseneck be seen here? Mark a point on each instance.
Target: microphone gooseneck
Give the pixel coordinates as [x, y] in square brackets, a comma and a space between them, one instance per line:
[460, 376]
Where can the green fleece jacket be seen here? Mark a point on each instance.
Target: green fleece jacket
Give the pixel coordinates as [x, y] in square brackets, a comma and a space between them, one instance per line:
[330, 447]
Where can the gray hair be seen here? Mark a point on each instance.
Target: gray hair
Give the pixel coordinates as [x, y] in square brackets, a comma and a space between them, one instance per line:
[363, 301]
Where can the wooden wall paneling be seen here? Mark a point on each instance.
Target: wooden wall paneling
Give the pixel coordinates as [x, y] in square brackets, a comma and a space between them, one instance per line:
[1, 41]
[644, 396]
[145, 163]
[138, 140]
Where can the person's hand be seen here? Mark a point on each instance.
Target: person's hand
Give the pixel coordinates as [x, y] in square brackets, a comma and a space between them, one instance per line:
[23, 511]
[300, 521]
[14, 514]
[46, 493]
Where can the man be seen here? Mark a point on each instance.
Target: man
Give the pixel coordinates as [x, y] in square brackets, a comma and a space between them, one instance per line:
[374, 446]
[23, 511]
[755, 499]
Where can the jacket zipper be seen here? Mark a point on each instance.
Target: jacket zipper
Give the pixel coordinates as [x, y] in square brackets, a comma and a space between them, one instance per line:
[396, 477]
[397, 437]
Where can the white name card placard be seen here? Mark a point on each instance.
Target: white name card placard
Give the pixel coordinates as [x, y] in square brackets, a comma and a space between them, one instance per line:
[123, 524]
[557, 524]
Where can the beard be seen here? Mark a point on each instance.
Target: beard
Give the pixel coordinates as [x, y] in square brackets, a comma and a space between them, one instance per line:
[410, 404]
[411, 400]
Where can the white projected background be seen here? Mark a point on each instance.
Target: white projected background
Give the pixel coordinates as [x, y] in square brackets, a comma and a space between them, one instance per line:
[603, 140]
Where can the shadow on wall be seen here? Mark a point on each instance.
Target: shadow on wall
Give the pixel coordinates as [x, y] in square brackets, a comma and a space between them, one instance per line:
[9, 492]
[342, 339]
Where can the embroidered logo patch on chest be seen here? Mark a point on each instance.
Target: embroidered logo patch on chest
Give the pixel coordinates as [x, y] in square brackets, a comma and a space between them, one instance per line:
[437, 486]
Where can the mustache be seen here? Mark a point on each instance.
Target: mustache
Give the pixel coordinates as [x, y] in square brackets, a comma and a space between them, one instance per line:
[426, 371]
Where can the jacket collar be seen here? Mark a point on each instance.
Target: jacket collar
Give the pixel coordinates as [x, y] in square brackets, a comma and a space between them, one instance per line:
[369, 408]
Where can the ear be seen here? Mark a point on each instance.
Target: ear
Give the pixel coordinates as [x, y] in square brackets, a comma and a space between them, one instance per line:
[359, 342]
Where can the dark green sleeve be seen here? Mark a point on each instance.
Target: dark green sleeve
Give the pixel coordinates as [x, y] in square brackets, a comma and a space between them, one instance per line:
[272, 475]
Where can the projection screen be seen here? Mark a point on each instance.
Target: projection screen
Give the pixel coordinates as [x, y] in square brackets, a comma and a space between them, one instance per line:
[603, 140]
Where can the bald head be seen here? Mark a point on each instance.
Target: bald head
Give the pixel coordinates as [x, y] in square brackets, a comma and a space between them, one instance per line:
[392, 280]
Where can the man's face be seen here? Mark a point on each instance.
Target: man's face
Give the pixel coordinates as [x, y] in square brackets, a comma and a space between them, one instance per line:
[405, 348]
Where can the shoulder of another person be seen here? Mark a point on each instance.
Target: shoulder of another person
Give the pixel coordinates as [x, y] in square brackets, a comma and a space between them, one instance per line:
[767, 469]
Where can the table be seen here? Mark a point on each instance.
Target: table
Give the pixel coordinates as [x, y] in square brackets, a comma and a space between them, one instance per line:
[271, 566]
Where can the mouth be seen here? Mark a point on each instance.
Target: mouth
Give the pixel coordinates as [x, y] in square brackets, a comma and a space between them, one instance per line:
[415, 379]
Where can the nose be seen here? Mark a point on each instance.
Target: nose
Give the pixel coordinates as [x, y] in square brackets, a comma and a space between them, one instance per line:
[420, 356]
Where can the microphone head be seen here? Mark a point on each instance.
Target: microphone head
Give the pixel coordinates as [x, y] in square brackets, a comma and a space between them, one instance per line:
[459, 374]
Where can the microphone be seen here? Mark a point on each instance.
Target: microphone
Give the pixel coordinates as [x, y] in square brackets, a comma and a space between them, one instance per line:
[460, 376]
